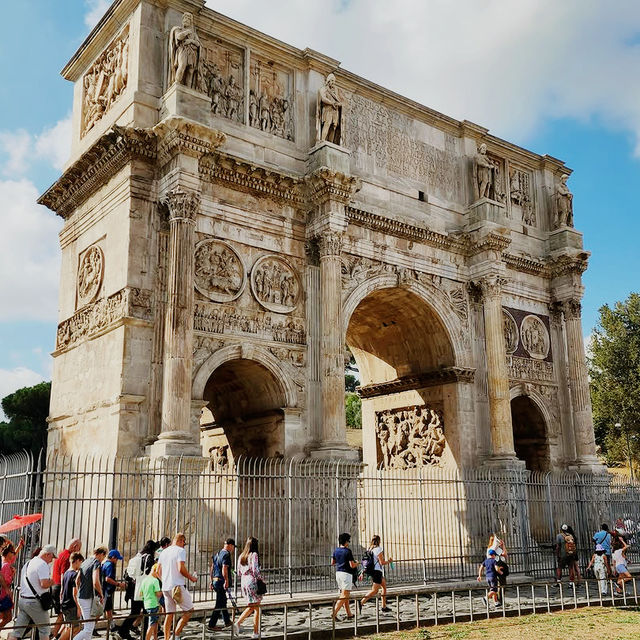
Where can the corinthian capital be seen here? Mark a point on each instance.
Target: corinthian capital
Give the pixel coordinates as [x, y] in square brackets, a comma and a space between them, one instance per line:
[490, 287]
[327, 184]
[329, 244]
[572, 309]
[182, 205]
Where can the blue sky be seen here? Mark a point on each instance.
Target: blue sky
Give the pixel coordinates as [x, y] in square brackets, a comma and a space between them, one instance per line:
[557, 78]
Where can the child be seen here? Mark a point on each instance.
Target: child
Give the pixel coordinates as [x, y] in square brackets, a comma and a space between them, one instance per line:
[600, 563]
[6, 580]
[493, 571]
[151, 593]
[68, 597]
[620, 564]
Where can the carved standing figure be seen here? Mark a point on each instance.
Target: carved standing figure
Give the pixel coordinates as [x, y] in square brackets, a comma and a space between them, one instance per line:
[253, 108]
[184, 51]
[233, 94]
[330, 111]
[483, 173]
[564, 204]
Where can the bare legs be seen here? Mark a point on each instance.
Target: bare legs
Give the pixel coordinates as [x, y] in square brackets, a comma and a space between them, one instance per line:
[343, 601]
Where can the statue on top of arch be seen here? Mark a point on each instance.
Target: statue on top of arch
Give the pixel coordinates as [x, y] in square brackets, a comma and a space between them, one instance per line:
[184, 54]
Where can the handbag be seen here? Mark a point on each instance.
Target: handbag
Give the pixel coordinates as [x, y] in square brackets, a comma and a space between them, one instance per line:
[97, 608]
[45, 599]
[261, 586]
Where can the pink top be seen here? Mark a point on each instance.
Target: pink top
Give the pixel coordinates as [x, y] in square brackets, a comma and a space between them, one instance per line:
[7, 573]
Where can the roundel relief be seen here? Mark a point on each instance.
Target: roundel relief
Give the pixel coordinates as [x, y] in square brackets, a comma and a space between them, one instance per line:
[275, 284]
[219, 273]
[90, 274]
[535, 337]
[511, 337]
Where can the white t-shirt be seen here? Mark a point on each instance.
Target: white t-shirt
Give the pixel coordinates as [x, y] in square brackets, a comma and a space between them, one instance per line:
[38, 570]
[618, 558]
[376, 554]
[170, 560]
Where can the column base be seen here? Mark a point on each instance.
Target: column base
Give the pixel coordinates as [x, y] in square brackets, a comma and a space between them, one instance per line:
[590, 464]
[503, 462]
[174, 443]
[335, 451]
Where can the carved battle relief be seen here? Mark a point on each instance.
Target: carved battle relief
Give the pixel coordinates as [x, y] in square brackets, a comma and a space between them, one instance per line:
[529, 369]
[203, 347]
[511, 335]
[372, 130]
[275, 284]
[219, 273]
[410, 437]
[521, 194]
[223, 79]
[271, 99]
[105, 81]
[90, 275]
[535, 337]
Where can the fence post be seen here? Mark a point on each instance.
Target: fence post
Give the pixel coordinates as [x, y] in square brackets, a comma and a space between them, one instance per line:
[460, 545]
[337, 499]
[290, 525]
[549, 506]
[423, 528]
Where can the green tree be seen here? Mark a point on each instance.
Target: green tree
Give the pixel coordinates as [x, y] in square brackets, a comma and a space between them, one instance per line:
[26, 410]
[614, 368]
[353, 410]
[350, 383]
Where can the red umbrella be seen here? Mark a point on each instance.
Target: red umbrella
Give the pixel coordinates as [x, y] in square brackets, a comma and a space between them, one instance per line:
[17, 522]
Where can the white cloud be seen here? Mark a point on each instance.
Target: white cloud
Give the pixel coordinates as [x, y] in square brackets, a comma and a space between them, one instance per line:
[29, 255]
[13, 379]
[95, 10]
[505, 65]
[54, 144]
[17, 147]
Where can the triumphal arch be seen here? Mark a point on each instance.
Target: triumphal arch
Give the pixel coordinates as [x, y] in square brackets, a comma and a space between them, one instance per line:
[238, 212]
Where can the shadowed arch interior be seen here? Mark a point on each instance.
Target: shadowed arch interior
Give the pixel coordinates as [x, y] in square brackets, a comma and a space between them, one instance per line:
[530, 434]
[393, 333]
[246, 401]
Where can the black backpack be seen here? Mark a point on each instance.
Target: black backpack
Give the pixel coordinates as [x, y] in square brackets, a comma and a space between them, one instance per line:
[368, 562]
[504, 566]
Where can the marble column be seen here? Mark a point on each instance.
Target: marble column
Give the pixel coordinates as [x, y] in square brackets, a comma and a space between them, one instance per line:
[579, 385]
[502, 448]
[332, 342]
[177, 436]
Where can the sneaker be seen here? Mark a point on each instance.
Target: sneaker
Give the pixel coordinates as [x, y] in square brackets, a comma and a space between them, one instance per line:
[95, 634]
[255, 636]
[236, 629]
[385, 609]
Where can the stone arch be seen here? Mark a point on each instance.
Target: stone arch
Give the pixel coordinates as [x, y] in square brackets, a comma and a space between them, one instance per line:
[432, 298]
[531, 420]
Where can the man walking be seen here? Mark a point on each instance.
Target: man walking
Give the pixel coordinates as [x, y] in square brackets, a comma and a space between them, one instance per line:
[89, 585]
[110, 584]
[34, 581]
[220, 582]
[60, 566]
[174, 574]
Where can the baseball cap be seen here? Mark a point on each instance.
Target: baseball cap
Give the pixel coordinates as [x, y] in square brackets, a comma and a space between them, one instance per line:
[114, 553]
[599, 547]
[492, 552]
[49, 548]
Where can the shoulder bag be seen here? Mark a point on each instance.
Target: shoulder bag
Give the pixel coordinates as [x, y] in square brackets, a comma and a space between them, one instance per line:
[45, 599]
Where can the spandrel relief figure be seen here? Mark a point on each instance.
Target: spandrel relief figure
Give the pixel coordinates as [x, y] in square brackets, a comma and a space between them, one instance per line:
[215, 89]
[184, 51]
[564, 204]
[330, 111]
[253, 109]
[275, 284]
[219, 273]
[484, 173]
[265, 112]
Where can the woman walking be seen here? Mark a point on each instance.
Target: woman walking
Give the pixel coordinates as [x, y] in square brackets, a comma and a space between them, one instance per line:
[249, 572]
[377, 575]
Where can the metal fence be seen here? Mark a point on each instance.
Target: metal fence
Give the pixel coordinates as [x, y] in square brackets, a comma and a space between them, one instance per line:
[434, 523]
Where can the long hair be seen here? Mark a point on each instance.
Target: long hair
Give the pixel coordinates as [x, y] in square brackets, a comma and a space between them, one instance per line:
[375, 542]
[250, 546]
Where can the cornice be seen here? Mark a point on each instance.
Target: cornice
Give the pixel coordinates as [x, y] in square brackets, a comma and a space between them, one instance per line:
[569, 264]
[525, 265]
[251, 178]
[428, 379]
[328, 184]
[177, 135]
[492, 241]
[110, 153]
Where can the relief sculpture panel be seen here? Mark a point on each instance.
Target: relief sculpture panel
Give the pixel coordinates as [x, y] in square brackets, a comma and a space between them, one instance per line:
[219, 273]
[105, 81]
[271, 98]
[90, 275]
[223, 79]
[275, 284]
[410, 437]
[520, 193]
[535, 337]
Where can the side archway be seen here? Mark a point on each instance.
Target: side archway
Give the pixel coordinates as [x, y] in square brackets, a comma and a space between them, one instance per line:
[531, 418]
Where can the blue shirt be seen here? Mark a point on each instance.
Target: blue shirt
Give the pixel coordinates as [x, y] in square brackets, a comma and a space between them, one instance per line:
[342, 557]
[490, 568]
[604, 538]
[108, 571]
[222, 558]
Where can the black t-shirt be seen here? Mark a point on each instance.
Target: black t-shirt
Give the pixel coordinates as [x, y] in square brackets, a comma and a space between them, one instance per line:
[222, 558]
[342, 557]
[66, 592]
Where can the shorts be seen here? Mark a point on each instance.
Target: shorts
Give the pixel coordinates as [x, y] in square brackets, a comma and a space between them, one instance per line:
[566, 561]
[154, 616]
[6, 604]
[493, 584]
[108, 602]
[622, 568]
[377, 577]
[70, 614]
[344, 580]
[55, 592]
[170, 605]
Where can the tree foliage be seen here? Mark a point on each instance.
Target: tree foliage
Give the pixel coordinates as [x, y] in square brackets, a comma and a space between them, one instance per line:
[353, 410]
[26, 410]
[614, 368]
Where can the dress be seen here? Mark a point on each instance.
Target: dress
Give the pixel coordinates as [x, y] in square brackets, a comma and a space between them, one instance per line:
[249, 574]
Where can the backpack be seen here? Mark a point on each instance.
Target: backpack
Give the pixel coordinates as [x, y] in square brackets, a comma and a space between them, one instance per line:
[368, 562]
[505, 568]
[569, 543]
